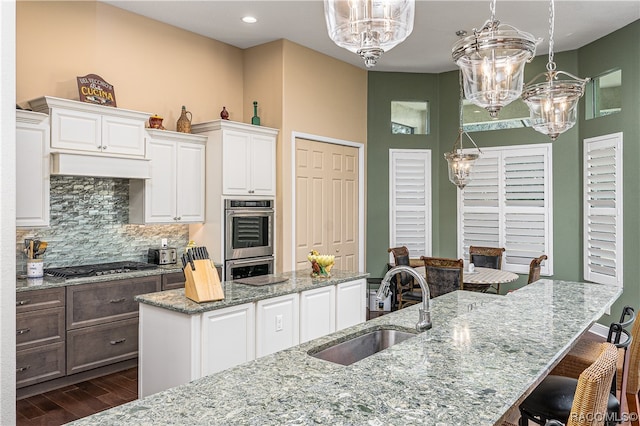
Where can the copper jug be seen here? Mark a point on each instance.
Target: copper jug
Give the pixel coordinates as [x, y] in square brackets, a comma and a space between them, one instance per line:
[184, 123]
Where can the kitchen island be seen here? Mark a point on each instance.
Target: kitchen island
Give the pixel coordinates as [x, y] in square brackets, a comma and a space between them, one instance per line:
[252, 321]
[484, 354]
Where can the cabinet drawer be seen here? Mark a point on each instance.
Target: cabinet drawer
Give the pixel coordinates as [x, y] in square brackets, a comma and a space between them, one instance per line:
[100, 345]
[92, 304]
[39, 328]
[173, 280]
[39, 364]
[39, 299]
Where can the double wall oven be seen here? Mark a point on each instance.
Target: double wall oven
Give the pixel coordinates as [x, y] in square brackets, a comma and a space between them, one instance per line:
[249, 234]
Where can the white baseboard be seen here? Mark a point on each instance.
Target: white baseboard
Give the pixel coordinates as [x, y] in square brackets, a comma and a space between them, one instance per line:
[599, 329]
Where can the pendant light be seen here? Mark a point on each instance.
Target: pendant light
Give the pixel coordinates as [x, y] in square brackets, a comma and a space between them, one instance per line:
[369, 27]
[553, 104]
[492, 61]
[459, 162]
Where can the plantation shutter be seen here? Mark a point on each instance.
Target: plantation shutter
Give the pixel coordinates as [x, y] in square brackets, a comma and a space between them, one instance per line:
[603, 209]
[527, 209]
[508, 204]
[481, 200]
[410, 200]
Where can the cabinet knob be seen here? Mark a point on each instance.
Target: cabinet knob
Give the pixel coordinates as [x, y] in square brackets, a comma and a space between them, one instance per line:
[23, 302]
[104, 147]
[177, 218]
[251, 191]
[337, 250]
[22, 331]
[21, 369]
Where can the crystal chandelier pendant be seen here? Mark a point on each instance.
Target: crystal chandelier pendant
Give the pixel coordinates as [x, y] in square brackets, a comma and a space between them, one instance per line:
[369, 27]
[492, 62]
[460, 165]
[553, 104]
[459, 162]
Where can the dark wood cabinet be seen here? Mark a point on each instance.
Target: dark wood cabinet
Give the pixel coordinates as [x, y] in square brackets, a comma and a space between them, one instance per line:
[173, 280]
[40, 299]
[96, 303]
[40, 336]
[69, 334]
[100, 345]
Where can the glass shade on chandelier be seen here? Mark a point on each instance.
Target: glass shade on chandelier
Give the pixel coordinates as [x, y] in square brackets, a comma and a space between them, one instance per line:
[459, 162]
[492, 62]
[553, 103]
[369, 27]
[460, 165]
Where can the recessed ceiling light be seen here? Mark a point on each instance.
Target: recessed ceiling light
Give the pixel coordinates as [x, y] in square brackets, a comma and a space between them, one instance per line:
[249, 20]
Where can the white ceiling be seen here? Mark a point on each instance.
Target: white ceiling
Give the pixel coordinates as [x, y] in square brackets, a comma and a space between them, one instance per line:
[428, 48]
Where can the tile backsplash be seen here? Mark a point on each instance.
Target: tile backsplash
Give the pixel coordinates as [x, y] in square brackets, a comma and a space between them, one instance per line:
[89, 224]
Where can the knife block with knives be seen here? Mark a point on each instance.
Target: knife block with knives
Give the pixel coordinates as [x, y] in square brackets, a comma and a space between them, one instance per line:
[202, 281]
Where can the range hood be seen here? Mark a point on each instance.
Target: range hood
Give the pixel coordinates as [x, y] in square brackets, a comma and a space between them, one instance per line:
[99, 166]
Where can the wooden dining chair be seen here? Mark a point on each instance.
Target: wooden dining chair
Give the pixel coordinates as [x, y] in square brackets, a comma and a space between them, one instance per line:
[534, 268]
[592, 390]
[407, 291]
[443, 275]
[487, 257]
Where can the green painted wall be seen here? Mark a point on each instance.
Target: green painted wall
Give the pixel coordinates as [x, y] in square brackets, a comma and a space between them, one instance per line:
[384, 88]
[619, 49]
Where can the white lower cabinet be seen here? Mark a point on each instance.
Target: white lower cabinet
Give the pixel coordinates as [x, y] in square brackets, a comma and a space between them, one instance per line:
[228, 337]
[351, 303]
[317, 313]
[176, 348]
[277, 324]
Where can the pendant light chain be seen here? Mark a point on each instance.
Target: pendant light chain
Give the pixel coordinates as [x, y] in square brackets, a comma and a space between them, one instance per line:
[551, 66]
[460, 103]
[493, 10]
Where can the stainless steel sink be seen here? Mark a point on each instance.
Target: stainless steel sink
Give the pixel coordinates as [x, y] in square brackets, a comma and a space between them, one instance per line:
[360, 346]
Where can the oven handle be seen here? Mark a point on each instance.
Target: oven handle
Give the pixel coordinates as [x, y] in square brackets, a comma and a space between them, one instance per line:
[265, 212]
[249, 262]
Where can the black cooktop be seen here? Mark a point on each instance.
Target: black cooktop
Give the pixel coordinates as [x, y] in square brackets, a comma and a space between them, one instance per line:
[98, 269]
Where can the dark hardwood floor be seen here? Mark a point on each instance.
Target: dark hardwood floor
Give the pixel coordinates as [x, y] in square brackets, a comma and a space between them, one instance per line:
[76, 401]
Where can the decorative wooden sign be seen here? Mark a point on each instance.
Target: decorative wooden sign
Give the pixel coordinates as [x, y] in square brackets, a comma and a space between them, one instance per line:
[93, 89]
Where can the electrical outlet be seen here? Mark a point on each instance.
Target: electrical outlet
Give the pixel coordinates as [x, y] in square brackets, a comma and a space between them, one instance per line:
[278, 322]
[164, 243]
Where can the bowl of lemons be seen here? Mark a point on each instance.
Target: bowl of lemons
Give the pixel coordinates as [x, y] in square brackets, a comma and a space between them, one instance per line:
[321, 264]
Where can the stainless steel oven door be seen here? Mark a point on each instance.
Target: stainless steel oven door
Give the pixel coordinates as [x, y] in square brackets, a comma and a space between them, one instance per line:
[248, 233]
[244, 268]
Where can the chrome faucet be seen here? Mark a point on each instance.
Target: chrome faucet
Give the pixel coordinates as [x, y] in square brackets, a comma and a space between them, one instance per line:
[424, 321]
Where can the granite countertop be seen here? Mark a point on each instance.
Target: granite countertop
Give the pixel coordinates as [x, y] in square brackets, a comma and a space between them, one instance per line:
[236, 293]
[482, 355]
[26, 284]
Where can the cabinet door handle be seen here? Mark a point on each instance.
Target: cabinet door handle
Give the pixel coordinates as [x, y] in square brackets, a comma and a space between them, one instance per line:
[115, 342]
[21, 369]
[117, 300]
[22, 331]
[104, 147]
[99, 147]
[23, 302]
[251, 191]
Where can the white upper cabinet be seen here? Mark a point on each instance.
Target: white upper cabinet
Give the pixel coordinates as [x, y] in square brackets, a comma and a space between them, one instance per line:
[32, 169]
[176, 191]
[80, 127]
[247, 160]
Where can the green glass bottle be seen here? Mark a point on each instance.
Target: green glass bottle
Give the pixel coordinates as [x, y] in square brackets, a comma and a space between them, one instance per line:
[255, 119]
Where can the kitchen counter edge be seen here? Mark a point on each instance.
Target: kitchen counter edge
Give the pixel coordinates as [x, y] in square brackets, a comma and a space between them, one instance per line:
[236, 293]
